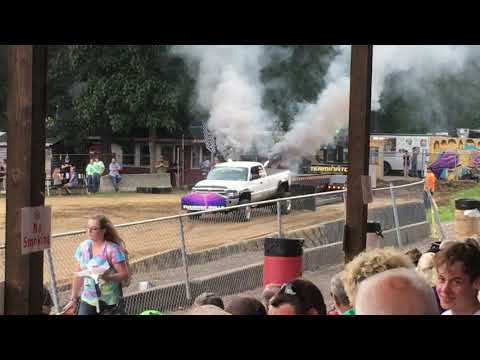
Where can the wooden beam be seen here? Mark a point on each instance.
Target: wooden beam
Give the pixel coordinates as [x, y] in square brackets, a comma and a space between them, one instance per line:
[358, 149]
[26, 111]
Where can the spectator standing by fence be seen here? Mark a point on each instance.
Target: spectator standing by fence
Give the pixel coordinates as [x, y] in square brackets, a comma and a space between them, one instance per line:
[406, 163]
[89, 172]
[103, 246]
[114, 172]
[65, 170]
[414, 170]
[98, 169]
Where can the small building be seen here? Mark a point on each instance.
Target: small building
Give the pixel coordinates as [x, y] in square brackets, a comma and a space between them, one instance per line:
[52, 146]
[183, 151]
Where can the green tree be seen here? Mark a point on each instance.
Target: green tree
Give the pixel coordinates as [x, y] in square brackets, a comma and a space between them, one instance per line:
[120, 88]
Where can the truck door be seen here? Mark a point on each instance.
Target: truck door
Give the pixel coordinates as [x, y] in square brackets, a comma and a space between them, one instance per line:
[257, 184]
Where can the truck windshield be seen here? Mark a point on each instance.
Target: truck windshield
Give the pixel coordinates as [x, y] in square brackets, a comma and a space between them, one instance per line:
[228, 173]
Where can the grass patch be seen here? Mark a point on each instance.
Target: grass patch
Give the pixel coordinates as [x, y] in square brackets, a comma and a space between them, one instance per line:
[447, 212]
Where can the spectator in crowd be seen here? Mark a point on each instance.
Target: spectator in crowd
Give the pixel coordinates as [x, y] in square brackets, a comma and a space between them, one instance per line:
[414, 170]
[103, 247]
[406, 163]
[57, 178]
[98, 169]
[425, 270]
[3, 173]
[398, 291]
[208, 298]
[268, 292]
[458, 277]
[65, 170]
[207, 310]
[205, 168]
[445, 243]
[430, 181]
[245, 306]
[90, 172]
[72, 182]
[369, 263]
[339, 296]
[114, 172]
[414, 255]
[298, 297]
[425, 267]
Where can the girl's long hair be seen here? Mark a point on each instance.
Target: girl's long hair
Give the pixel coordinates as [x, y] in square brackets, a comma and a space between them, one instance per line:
[111, 233]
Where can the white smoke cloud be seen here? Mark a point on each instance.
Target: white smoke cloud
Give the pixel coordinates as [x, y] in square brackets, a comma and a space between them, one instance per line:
[229, 88]
[317, 123]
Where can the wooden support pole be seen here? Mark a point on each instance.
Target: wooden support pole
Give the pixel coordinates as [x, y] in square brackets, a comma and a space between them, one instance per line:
[26, 111]
[358, 149]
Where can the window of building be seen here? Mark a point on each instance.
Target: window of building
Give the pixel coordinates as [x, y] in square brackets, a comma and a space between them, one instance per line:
[196, 157]
[128, 156]
[144, 155]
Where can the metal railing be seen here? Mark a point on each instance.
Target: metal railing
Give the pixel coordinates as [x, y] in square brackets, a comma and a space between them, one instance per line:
[173, 259]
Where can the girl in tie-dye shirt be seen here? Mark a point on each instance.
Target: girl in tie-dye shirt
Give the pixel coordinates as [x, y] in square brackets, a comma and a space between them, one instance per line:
[104, 247]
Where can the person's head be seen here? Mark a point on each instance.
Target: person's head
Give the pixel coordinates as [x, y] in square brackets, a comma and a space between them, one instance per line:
[414, 255]
[425, 267]
[100, 228]
[458, 275]
[338, 294]
[369, 263]
[298, 297]
[92, 160]
[445, 243]
[207, 310]
[396, 292]
[268, 292]
[209, 299]
[245, 306]
[429, 170]
[114, 160]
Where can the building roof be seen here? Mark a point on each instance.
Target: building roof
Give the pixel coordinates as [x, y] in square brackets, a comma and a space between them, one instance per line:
[48, 141]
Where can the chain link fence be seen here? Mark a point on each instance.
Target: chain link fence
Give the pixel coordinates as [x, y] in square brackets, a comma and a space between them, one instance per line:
[174, 259]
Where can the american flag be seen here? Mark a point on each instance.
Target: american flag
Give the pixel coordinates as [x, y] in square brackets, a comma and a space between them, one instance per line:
[210, 142]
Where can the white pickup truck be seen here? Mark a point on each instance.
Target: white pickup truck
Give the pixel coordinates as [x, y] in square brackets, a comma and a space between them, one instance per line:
[237, 183]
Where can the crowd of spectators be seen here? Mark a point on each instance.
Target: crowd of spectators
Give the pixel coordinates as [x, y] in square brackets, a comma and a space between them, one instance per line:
[445, 280]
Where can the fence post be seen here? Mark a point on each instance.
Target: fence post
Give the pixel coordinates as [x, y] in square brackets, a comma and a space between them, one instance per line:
[52, 280]
[185, 260]
[436, 219]
[395, 216]
[345, 203]
[279, 218]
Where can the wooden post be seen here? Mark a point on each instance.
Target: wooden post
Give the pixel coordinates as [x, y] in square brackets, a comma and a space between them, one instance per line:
[26, 111]
[358, 149]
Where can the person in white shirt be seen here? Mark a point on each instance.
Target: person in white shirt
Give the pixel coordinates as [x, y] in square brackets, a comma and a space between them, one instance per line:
[458, 277]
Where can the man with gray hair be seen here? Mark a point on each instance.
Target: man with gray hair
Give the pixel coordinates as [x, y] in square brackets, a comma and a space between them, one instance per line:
[339, 296]
[396, 292]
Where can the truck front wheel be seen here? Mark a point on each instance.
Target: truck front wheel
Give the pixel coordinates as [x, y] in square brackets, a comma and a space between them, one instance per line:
[245, 212]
